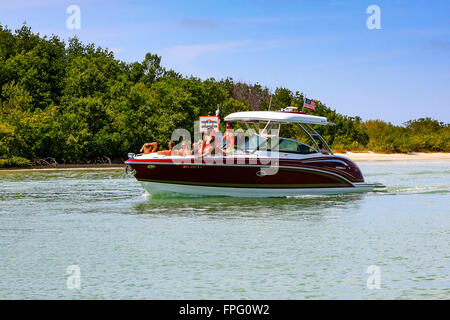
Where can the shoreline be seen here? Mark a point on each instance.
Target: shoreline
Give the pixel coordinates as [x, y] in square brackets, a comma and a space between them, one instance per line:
[62, 167]
[355, 156]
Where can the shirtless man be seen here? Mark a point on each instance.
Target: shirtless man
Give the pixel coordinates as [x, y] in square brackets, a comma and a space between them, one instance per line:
[229, 138]
[146, 148]
[167, 152]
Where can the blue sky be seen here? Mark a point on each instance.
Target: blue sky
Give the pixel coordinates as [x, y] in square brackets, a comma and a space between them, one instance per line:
[319, 47]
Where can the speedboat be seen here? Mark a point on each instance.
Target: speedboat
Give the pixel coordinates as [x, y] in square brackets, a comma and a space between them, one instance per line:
[262, 165]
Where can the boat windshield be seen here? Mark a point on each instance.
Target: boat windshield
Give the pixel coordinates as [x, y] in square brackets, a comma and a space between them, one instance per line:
[288, 145]
[257, 142]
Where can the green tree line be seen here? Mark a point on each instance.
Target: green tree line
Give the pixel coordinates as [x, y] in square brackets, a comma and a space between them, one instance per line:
[76, 103]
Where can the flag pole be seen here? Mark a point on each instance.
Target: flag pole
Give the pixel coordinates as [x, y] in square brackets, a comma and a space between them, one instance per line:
[303, 107]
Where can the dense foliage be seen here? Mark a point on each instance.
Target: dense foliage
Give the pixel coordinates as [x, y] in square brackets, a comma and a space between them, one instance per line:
[76, 103]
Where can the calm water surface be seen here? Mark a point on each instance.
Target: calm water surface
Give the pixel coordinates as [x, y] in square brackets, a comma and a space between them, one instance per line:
[130, 245]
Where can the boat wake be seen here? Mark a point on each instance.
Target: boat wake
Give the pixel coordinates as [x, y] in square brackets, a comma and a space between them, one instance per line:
[408, 190]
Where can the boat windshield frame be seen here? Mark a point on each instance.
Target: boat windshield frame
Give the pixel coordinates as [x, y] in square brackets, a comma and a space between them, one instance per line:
[311, 133]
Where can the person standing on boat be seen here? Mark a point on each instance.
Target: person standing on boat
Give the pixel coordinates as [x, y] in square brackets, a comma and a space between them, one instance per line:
[240, 140]
[210, 147]
[210, 133]
[229, 138]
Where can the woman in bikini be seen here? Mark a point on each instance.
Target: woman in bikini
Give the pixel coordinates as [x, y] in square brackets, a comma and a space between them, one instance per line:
[210, 134]
[184, 151]
[210, 147]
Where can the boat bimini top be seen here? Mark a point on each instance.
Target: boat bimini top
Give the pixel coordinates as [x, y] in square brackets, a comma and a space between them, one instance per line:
[276, 116]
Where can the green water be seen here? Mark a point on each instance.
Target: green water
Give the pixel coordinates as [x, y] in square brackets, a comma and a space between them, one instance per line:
[130, 245]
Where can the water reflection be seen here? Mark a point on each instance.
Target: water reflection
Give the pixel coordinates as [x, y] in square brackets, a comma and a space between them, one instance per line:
[228, 207]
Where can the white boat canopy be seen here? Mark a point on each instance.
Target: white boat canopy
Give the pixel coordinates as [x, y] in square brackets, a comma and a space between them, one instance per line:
[276, 116]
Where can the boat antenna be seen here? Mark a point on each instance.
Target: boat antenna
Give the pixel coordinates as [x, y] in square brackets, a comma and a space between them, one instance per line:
[274, 90]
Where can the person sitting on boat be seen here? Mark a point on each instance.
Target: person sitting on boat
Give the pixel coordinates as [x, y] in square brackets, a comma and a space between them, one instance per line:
[184, 151]
[147, 147]
[230, 139]
[167, 152]
[210, 147]
[198, 146]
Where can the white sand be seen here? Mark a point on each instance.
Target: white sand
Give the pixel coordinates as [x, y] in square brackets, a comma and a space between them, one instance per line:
[371, 156]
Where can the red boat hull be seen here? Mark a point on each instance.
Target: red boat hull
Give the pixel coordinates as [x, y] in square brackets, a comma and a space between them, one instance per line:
[318, 172]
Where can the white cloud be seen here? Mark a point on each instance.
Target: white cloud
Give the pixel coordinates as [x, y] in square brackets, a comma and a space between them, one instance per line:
[185, 58]
[188, 53]
[191, 52]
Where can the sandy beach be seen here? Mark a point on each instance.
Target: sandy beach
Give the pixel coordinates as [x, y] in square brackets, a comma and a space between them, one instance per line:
[371, 156]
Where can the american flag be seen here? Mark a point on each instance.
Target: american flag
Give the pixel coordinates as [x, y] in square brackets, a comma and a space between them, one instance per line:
[310, 104]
